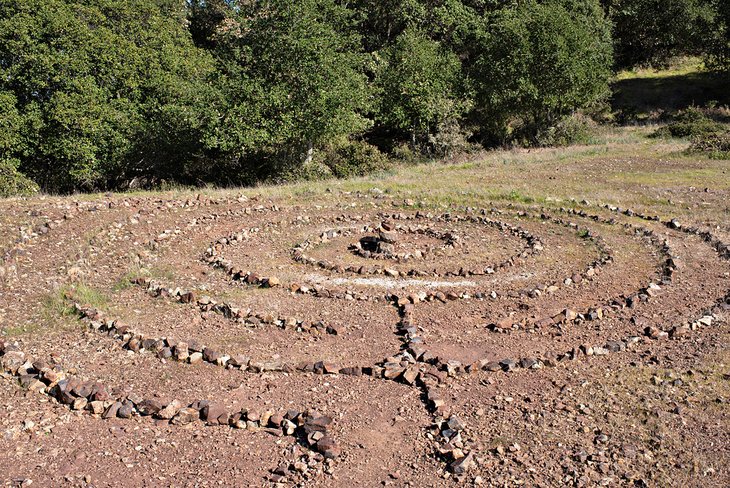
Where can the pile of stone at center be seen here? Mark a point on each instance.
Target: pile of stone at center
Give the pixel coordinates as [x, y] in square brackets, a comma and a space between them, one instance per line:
[384, 243]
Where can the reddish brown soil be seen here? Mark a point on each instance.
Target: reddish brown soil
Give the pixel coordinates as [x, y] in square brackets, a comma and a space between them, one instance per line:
[654, 414]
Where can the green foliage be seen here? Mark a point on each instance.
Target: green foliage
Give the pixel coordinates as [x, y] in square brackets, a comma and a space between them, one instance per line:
[539, 63]
[718, 55]
[648, 32]
[354, 158]
[113, 93]
[291, 74]
[106, 89]
[576, 129]
[690, 123]
[417, 81]
[714, 145]
[12, 182]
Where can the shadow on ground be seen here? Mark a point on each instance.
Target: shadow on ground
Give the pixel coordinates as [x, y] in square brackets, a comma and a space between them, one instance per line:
[648, 98]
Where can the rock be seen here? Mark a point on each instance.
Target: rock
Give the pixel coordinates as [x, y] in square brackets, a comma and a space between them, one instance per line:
[492, 366]
[288, 427]
[328, 447]
[706, 320]
[180, 351]
[330, 368]
[508, 364]
[134, 344]
[317, 424]
[389, 236]
[149, 407]
[569, 315]
[655, 333]
[169, 411]
[462, 465]
[410, 374]
[615, 346]
[392, 371]
[12, 361]
[125, 411]
[528, 363]
[354, 371]
[455, 423]
[210, 355]
[678, 332]
[111, 412]
[188, 297]
[214, 414]
[185, 416]
[96, 407]
[504, 324]
[195, 357]
[79, 404]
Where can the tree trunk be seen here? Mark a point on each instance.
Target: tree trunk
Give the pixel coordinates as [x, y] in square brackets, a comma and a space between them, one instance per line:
[309, 155]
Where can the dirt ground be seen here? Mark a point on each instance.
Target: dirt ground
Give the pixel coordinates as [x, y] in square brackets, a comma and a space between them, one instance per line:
[543, 318]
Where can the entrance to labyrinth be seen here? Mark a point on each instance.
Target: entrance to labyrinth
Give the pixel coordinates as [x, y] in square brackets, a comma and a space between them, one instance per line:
[307, 326]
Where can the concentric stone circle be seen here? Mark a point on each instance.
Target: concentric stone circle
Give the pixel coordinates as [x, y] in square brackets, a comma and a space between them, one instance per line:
[414, 362]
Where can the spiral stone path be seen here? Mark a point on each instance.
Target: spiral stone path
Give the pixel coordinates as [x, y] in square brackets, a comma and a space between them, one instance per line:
[240, 340]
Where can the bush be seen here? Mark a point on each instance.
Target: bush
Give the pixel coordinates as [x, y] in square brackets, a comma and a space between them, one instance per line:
[353, 158]
[450, 139]
[716, 146]
[538, 63]
[576, 129]
[690, 123]
[13, 182]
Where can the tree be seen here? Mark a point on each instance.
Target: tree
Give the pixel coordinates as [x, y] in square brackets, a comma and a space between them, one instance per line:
[650, 32]
[718, 52]
[292, 74]
[12, 182]
[538, 63]
[418, 85]
[108, 89]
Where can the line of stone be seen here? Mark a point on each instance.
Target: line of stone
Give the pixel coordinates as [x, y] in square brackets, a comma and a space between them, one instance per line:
[94, 397]
[232, 312]
[663, 276]
[533, 247]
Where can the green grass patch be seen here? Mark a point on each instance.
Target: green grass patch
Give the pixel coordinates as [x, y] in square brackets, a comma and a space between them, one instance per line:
[57, 312]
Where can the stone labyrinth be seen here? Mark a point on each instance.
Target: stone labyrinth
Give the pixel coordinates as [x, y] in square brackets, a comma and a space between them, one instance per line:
[301, 322]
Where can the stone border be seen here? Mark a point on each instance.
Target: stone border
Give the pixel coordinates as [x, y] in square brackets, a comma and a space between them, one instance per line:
[95, 398]
[231, 312]
[412, 365]
[534, 246]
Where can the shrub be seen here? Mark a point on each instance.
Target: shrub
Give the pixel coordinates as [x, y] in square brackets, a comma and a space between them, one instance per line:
[576, 129]
[690, 123]
[13, 182]
[450, 139]
[354, 158]
[716, 146]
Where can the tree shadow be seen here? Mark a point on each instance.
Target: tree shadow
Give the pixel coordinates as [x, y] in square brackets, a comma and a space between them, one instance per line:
[649, 99]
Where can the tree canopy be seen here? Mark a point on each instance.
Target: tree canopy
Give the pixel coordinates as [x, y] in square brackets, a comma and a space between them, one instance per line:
[101, 94]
